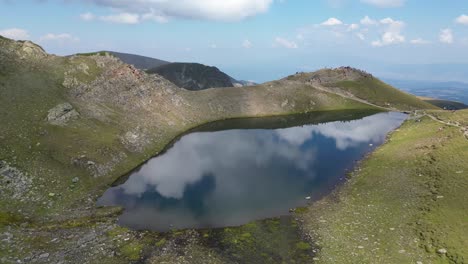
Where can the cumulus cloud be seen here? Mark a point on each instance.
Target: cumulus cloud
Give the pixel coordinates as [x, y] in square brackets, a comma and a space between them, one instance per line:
[332, 22]
[392, 33]
[122, 18]
[127, 18]
[87, 16]
[419, 41]
[446, 36]
[367, 21]
[353, 27]
[385, 3]
[15, 33]
[289, 44]
[247, 44]
[60, 38]
[226, 10]
[361, 36]
[463, 19]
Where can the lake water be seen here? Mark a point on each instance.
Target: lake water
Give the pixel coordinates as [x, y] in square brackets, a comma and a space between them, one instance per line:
[231, 177]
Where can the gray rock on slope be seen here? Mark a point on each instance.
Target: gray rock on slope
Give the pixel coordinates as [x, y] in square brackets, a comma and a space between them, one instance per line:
[62, 114]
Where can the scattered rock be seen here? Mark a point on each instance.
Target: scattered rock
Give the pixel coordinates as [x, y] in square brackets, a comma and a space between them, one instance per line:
[13, 182]
[51, 194]
[44, 256]
[308, 198]
[62, 114]
[442, 251]
[75, 180]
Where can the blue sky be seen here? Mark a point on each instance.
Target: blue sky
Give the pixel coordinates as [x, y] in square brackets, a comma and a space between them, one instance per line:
[252, 39]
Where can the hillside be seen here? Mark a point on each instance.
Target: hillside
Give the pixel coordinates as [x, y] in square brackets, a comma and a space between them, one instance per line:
[140, 62]
[193, 76]
[405, 203]
[71, 126]
[444, 104]
[357, 84]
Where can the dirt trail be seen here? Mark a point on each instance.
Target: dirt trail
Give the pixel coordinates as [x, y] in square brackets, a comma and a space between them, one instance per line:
[337, 91]
[457, 124]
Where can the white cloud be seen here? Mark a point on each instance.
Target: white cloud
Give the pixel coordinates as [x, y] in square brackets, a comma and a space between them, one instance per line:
[247, 44]
[360, 36]
[127, 18]
[385, 3]
[64, 37]
[15, 33]
[353, 27]
[367, 21]
[392, 34]
[332, 22]
[446, 36]
[213, 46]
[419, 41]
[226, 10]
[87, 16]
[155, 16]
[122, 18]
[286, 43]
[463, 19]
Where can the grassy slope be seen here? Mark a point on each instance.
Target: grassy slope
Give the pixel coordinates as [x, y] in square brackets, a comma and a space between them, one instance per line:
[359, 84]
[380, 93]
[446, 104]
[401, 206]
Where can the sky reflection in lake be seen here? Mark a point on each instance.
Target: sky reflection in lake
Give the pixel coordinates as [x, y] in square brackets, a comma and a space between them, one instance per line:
[225, 178]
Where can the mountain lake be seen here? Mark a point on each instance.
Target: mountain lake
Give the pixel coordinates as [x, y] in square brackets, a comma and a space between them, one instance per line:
[231, 172]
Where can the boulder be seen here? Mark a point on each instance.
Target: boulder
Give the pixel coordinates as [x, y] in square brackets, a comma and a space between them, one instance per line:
[62, 114]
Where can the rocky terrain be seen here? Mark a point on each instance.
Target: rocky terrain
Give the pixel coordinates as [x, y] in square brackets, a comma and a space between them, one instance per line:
[71, 126]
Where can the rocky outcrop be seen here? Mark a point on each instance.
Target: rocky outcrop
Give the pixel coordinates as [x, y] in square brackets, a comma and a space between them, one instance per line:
[62, 114]
[13, 182]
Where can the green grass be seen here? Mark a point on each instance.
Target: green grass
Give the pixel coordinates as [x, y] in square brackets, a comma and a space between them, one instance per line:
[268, 241]
[446, 104]
[407, 200]
[132, 250]
[382, 94]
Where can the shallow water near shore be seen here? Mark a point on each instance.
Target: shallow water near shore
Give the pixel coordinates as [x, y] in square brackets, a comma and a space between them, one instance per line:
[231, 177]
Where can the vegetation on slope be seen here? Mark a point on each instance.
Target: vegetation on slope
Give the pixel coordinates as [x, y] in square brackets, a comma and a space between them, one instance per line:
[401, 206]
[361, 85]
[193, 76]
[446, 104]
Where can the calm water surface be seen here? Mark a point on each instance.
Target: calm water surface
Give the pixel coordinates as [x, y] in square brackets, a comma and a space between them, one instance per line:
[228, 178]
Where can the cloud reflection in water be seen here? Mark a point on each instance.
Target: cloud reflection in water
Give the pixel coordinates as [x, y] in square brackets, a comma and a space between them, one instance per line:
[214, 179]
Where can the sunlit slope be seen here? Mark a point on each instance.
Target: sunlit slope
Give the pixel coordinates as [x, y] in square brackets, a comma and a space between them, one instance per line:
[361, 85]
